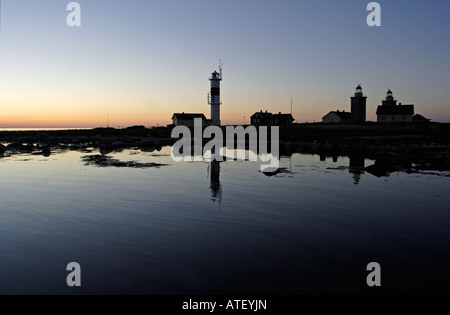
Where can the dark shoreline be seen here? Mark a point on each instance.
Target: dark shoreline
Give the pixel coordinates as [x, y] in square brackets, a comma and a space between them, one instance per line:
[426, 145]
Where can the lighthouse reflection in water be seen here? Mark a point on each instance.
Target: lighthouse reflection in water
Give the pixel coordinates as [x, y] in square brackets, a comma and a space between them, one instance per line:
[215, 186]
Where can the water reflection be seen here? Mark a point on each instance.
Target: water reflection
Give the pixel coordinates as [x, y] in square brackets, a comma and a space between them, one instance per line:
[102, 160]
[381, 164]
[215, 186]
[356, 167]
[386, 165]
[276, 235]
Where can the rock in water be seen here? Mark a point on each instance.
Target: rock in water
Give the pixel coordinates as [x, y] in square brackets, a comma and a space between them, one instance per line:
[46, 152]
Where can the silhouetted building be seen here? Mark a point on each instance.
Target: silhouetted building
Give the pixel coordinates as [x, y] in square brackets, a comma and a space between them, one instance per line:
[261, 118]
[214, 96]
[357, 112]
[336, 117]
[269, 119]
[420, 118]
[282, 119]
[389, 111]
[358, 106]
[188, 119]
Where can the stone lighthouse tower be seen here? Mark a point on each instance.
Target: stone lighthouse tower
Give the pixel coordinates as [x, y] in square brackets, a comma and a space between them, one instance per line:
[214, 99]
[358, 108]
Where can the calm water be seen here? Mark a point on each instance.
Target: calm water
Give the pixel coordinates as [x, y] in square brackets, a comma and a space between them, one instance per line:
[201, 228]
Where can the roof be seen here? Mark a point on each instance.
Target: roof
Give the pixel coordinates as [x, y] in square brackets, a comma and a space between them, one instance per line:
[262, 114]
[341, 115]
[396, 110]
[286, 116]
[418, 117]
[188, 116]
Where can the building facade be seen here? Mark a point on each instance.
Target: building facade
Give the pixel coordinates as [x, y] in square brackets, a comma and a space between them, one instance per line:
[182, 119]
[268, 119]
[336, 117]
[261, 118]
[390, 112]
[357, 114]
[282, 119]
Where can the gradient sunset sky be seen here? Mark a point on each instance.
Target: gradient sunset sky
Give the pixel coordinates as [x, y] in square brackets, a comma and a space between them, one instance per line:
[141, 61]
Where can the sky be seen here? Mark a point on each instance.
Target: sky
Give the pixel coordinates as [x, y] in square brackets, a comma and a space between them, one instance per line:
[137, 62]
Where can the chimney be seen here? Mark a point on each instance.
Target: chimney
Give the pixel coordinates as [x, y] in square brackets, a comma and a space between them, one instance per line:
[266, 111]
[279, 113]
[400, 104]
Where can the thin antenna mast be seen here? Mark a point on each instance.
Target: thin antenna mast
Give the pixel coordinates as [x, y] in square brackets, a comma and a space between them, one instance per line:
[291, 105]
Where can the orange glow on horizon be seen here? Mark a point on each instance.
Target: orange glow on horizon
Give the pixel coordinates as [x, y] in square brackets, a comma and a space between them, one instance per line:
[80, 121]
[120, 113]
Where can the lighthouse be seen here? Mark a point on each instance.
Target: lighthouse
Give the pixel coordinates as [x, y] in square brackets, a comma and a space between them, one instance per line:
[214, 96]
[358, 106]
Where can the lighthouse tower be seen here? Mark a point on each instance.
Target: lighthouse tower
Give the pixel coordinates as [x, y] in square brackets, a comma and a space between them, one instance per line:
[358, 106]
[214, 99]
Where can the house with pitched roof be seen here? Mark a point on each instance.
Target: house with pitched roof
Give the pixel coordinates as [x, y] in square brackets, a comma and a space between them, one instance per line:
[187, 119]
[268, 119]
[389, 111]
[337, 117]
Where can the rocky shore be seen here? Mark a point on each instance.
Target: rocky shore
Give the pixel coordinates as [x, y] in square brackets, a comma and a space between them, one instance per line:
[105, 140]
[425, 145]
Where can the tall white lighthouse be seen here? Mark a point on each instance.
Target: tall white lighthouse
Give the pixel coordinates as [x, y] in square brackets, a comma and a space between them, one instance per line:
[214, 99]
